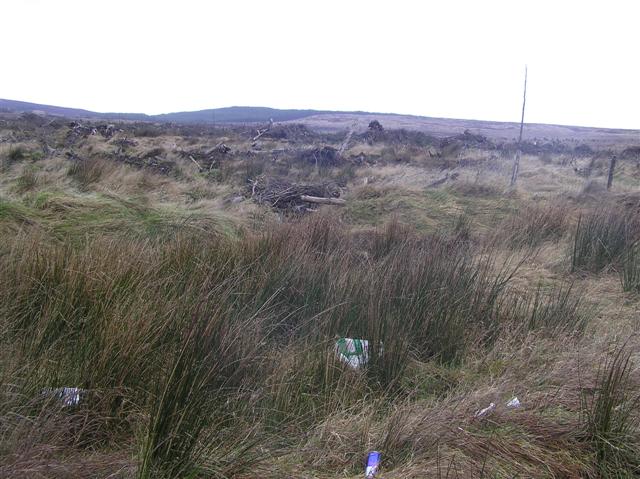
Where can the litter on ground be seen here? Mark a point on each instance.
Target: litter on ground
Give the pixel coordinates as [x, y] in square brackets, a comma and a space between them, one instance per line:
[354, 352]
[373, 464]
[513, 403]
[68, 396]
[485, 411]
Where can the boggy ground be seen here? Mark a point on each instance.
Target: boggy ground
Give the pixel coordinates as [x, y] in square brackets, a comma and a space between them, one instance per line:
[200, 323]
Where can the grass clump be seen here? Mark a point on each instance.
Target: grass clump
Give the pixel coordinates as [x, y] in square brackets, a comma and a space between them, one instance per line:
[17, 153]
[600, 238]
[184, 401]
[551, 311]
[533, 225]
[27, 181]
[88, 172]
[630, 268]
[610, 417]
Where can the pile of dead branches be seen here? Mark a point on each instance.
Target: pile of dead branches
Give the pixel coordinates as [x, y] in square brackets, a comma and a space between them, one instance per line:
[466, 139]
[290, 132]
[207, 159]
[324, 156]
[155, 163]
[79, 131]
[123, 144]
[282, 194]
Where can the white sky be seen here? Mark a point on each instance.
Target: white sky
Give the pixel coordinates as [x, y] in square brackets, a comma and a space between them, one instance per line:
[458, 59]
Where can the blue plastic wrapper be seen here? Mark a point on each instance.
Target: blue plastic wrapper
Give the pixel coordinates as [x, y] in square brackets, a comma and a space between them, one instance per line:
[373, 464]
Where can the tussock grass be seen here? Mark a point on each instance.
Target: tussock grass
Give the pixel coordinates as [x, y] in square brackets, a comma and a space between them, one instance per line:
[531, 226]
[601, 237]
[610, 416]
[550, 311]
[630, 268]
[89, 171]
[27, 180]
[17, 153]
[184, 338]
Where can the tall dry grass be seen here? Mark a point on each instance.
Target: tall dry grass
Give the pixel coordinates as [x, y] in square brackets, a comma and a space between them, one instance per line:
[610, 416]
[206, 356]
[601, 238]
[90, 171]
[530, 226]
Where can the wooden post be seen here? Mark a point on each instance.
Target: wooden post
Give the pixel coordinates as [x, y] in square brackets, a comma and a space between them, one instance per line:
[516, 162]
[612, 167]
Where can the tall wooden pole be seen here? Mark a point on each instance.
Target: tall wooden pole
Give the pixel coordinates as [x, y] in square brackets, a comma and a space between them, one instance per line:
[516, 162]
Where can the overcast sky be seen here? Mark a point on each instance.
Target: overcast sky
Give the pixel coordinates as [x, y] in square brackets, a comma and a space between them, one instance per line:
[458, 59]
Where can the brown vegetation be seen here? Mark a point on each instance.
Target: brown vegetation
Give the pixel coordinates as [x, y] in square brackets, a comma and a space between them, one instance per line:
[198, 316]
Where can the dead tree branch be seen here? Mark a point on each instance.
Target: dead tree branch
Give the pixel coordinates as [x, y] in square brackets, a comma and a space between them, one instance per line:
[323, 201]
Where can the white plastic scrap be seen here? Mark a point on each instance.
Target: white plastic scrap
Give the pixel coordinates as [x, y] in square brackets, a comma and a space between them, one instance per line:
[485, 411]
[354, 352]
[513, 403]
[68, 396]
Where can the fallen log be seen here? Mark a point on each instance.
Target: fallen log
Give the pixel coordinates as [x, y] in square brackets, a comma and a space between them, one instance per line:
[197, 164]
[219, 148]
[323, 201]
[263, 131]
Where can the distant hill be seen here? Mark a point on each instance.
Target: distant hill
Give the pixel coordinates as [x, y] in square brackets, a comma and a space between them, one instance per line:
[233, 114]
[237, 114]
[344, 120]
[23, 106]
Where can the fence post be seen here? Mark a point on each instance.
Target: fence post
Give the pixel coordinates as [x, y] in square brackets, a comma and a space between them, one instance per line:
[516, 161]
